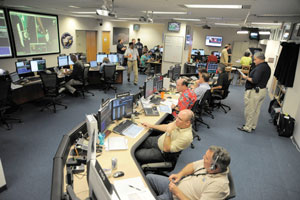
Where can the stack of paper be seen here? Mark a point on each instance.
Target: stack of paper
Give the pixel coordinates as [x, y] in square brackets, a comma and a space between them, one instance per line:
[133, 131]
[133, 189]
[116, 143]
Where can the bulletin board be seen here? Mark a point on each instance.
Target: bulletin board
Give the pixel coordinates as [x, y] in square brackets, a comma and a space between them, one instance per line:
[173, 48]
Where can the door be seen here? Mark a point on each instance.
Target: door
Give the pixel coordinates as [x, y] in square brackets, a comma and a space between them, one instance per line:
[106, 42]
[91, 45]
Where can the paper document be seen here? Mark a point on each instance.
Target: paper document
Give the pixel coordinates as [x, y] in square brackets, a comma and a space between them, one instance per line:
[133, 131]
[170, 102]
[165, 108]
[133, 189]
[116, 143]
[241, 72]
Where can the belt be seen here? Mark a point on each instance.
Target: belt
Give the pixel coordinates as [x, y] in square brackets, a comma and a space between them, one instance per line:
[131, 60]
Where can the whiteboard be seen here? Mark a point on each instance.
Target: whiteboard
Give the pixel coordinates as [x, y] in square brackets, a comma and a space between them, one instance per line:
[173, 47]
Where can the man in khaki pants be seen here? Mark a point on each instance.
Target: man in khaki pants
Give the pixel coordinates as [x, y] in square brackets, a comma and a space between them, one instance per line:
[255, 91]
[132, 55]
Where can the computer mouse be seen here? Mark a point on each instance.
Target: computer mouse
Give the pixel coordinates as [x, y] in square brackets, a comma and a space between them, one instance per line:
[118, 174]
[154, 108]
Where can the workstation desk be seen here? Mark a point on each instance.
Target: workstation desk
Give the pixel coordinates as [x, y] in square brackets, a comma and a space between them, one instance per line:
[126, 161]
[94, 75]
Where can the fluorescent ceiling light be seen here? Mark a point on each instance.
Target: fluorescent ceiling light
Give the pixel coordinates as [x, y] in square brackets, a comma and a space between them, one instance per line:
[91, 12]
[279, 15]
[242, 32]
[213, 6]
[264, 32]
[183, 19]
[266, 23]
[128, 18]
[165, 13]
[225, 24]
[74, 7]
[118, 20]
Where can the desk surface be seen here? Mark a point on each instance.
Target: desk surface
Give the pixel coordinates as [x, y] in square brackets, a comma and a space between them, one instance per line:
[119, 68]
[126, 159]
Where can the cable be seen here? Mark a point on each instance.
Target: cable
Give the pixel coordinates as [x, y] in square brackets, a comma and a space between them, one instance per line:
[294, 142]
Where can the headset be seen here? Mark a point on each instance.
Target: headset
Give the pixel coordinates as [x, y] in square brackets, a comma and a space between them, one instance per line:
[214, 164]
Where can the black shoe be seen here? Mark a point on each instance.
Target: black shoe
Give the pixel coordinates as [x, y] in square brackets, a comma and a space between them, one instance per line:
[128, 79]
[135, 83]
[243, 129]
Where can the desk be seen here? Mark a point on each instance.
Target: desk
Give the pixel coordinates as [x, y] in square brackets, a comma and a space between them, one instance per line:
[94, 75]
[28, 92]
[156, 65]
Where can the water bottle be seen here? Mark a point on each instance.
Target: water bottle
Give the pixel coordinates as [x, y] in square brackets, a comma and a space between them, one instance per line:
[101, 137]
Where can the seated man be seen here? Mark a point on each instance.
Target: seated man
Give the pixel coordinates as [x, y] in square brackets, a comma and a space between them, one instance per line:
[212, 58]
[178, 136]
[203, 179]
[201, 85]
[222, 79]
[187, 97]
[106, 61]
[75, 78]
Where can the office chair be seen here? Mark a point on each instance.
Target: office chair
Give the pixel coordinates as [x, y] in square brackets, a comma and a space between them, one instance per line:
[37, 58]
[21, 59]
[231, 186]
[52, 90]
[195, 135]
[83, 88]
[218, 97]
[5, 88]
[109, 77]
[198, 109]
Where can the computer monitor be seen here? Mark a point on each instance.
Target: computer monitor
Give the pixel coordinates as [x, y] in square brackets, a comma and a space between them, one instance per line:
[161, 50]
[14, 76]
[93, 63]
[194, 51]
[91, 123]
[201, 52]
[23, 68]
[122, 106]
[170, 73]
[113, 58]
[216, 53]
[148, 88]
[38, 65]
[92, 147]
[158, 83]
[104, 117]
[176, 72]
[100, 57]
[212, 68]
[70, 61]
[62, 61]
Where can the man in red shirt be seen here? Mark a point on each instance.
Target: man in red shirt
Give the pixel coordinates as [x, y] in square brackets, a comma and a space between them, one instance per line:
[212, 58]
[186, 99]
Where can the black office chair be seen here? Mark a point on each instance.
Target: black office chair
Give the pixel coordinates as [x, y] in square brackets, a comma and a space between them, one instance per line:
[5, 88]
[109, 77]
[220, 95]
[231, 186]
[198, 109]
[52, 90]
[83, 88]
[37, 58]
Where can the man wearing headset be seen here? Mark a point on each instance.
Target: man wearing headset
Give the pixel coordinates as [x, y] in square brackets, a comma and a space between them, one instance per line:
[203, 179]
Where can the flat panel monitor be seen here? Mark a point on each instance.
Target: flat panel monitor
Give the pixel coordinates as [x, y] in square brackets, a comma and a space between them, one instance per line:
[100, 57]
[194, 51]
[158, 83]
[113, 58]
[38, 65]
[201, 52]
[122, 106]
[254, 34]
[104, 117]
[70, 61]
[34, 33]
[92, 146]
[218, 54]
[174, 26]
[62, 61]
[5, 48]
[176, 72]
[23, 67]
[212, 68]
[148, 88]
[93, 64]
[213, 41]
[161, 50]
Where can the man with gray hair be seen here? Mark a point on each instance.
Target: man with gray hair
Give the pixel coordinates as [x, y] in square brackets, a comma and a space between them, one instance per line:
[203, 179]
[255, 91]
[222, 79]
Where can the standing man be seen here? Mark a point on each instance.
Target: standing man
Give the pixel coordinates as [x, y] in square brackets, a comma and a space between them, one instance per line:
[121, 50]
[139, 47]
[229, 53]
[132, 55]
[255, 91]
[224, 56]
[75, 76]
[202, 179]
[187, 97]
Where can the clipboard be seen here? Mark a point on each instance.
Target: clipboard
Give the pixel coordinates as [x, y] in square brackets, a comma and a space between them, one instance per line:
[239, 70]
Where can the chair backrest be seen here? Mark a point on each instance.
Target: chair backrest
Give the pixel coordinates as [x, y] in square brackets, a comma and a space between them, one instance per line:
[246, 69]
[49, 83]
[109, 72]
[85, 75]
[206, 97]
[231, 186]
[226, 88]
[5, 89]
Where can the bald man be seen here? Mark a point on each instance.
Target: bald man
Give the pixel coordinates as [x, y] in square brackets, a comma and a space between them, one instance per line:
[177, 137]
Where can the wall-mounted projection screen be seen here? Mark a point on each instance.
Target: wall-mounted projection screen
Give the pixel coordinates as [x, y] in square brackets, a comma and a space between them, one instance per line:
[34, 33]
[5, 48]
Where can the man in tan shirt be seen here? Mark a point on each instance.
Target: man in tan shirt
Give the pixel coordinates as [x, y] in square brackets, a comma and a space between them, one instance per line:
[177, 137]
[203, 179]
[224, 55]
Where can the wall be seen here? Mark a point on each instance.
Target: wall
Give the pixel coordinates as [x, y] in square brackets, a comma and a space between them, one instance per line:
[81, 41]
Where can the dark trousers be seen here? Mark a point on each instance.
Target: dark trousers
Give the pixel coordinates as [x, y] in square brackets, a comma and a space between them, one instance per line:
[149, 152]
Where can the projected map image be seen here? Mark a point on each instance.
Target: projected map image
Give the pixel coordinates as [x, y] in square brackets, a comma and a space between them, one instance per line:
[34, 33]
[5, 49]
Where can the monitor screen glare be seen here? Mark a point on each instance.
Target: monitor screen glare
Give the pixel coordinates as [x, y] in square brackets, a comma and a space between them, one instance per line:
[100, 57]
[113, 58]
[93, 64]
[62, 61]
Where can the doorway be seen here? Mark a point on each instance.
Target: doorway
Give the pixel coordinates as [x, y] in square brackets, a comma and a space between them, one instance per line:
[86, 42]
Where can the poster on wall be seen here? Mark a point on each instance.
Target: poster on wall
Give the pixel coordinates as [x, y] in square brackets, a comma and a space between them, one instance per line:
[120, 33]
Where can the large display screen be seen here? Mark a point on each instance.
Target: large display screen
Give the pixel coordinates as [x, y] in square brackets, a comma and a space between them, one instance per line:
[34, 34]
[214, 41]
[174, 26]
[5, 49]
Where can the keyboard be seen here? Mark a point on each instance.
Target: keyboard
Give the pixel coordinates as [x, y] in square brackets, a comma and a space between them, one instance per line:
[156, 100]
[151, 112]
[33, 78]
[122, 126]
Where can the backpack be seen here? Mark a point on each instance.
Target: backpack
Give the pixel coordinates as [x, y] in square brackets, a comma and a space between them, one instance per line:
[285, 125]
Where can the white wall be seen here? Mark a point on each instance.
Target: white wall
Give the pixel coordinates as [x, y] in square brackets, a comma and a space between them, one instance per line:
[81, 41]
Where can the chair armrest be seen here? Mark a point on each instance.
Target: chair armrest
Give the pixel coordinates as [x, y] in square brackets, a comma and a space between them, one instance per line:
[157, 165]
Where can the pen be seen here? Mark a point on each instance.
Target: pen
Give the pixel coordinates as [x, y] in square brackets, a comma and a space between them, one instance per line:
[135, 187]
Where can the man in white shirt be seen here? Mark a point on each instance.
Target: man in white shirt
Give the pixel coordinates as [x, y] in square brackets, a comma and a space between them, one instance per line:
[201, 85]
[132, 55]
